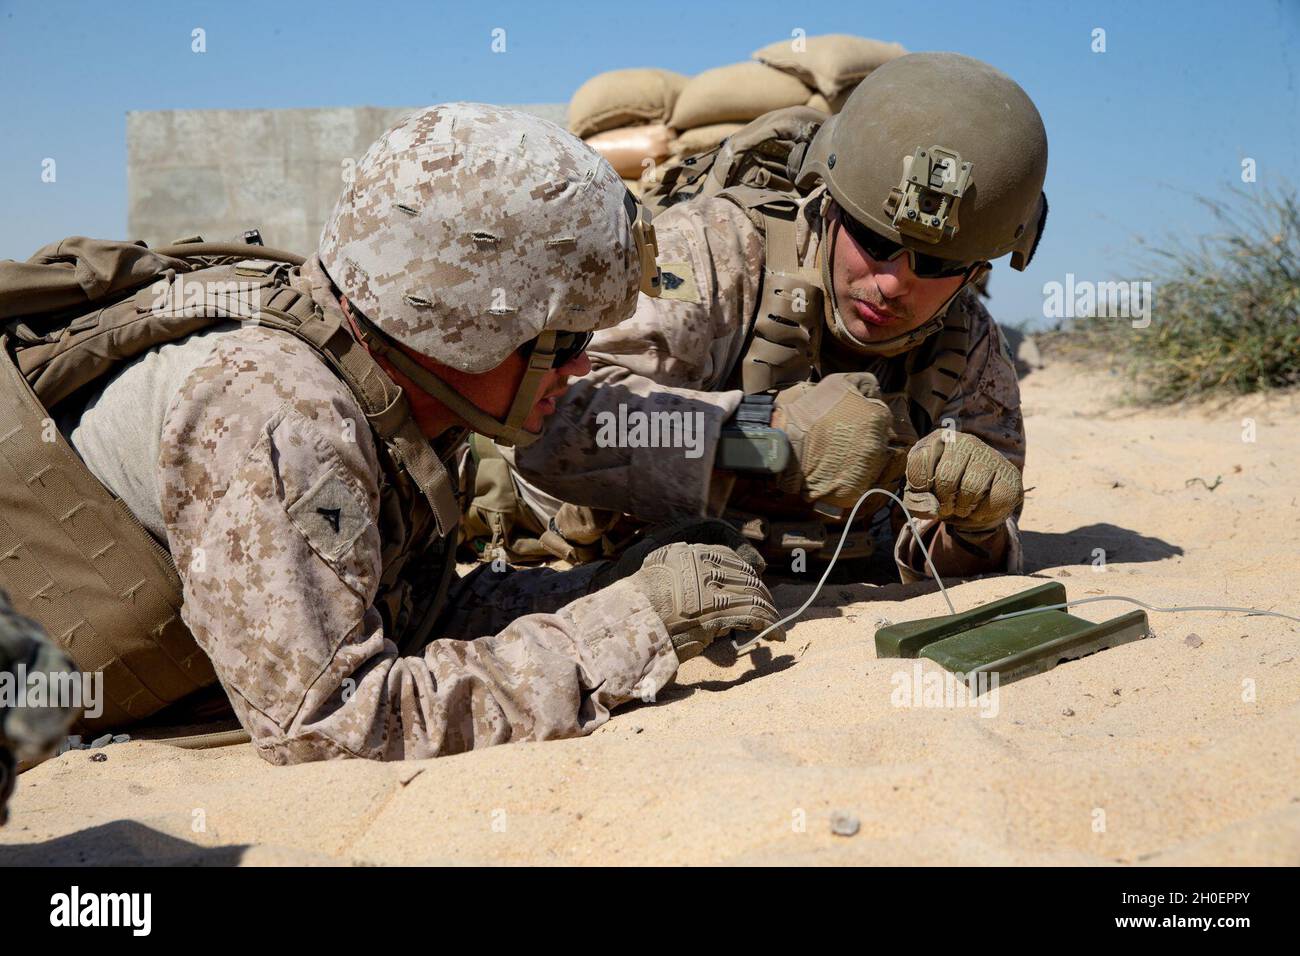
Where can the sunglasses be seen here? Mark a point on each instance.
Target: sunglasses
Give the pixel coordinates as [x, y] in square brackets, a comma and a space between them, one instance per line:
[883, 249]
[569, 345]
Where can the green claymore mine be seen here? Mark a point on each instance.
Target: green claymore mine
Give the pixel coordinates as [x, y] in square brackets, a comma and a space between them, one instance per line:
[983, 641]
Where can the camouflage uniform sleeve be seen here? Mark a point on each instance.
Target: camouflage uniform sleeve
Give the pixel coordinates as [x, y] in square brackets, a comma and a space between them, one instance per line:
[487, 600]
[986, 405]
[987, 402]
[270, 489]
[672, 356]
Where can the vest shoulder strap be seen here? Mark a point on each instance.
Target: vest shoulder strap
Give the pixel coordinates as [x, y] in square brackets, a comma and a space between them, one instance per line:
[775, 214]
[786, 332]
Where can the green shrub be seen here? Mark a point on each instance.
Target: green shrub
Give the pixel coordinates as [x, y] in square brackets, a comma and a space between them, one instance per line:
[1225, 311]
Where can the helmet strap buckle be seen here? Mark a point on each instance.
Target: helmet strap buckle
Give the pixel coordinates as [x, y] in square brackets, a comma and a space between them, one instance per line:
[541, 359]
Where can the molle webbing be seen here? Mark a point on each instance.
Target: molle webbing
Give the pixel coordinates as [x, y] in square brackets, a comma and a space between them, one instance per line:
[934, 370]
[765, 154]
[72, 555]
[74, 558]
[786, 334]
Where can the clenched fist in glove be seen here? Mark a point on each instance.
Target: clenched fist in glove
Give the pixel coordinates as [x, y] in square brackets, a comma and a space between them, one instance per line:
[713, 531]
[840, 434]
[702, 591]
[957, 478]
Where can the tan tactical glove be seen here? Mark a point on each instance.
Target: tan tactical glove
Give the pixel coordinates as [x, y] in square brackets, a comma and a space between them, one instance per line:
[713, 531]
[957, 478]
[840, 436]
[702, 591]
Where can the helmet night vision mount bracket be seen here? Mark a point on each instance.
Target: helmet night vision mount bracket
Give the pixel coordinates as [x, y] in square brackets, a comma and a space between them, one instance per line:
[924, 204]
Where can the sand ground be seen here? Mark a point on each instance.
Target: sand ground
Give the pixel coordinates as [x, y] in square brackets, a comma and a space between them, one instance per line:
[1180, 749]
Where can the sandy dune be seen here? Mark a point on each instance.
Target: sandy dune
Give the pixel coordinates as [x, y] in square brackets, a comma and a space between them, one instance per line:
[1177, 749]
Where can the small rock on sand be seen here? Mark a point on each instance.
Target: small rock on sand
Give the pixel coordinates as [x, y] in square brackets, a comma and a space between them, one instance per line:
[844, 824]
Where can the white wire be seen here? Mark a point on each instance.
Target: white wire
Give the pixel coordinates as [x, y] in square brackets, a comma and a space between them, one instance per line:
[748, 645]
[1251, 611]
[745, 648]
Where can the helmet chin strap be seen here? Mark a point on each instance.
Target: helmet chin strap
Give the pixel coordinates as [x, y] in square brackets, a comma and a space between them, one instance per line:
[885, 347]
[511, 431]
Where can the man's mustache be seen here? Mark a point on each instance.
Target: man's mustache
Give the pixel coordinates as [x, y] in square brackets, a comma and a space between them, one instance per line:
[873, 298]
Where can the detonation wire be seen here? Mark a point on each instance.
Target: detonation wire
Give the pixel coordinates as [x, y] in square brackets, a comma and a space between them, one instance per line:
[848, 523]
[1248, 611]
[749, 645]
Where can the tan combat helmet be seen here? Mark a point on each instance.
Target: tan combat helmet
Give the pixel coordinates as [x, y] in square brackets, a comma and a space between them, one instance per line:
[469, 231]
[942, 154]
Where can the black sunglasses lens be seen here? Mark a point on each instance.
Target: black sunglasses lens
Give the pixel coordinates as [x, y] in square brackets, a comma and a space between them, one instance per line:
[882, 249]
[568, 345]
[932, 267]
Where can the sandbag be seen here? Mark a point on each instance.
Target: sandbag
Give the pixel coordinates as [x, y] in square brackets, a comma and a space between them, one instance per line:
[735, 94]
[838, 100]
[828, 63]
[703, 138]
[833, 105]
[624, 98]
[627, 148]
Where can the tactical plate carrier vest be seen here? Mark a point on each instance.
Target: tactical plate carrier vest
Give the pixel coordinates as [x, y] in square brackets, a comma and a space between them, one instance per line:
[763, 170]
[72, 555]
[785, 343]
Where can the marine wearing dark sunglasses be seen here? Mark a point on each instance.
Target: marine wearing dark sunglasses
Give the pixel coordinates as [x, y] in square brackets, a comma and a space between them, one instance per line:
[835, 314]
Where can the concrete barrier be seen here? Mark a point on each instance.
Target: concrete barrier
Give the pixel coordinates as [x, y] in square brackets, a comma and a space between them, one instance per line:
[216, 173]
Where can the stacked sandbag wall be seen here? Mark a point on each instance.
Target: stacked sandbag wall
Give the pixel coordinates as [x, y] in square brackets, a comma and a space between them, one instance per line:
[640, 119]
[623, 115]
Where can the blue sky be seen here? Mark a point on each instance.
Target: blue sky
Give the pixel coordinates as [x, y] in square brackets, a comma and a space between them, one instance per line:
[1184, 91]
